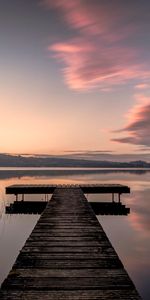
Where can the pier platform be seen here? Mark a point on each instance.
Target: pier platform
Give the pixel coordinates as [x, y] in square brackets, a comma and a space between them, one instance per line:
[50, 188]
[68, 256]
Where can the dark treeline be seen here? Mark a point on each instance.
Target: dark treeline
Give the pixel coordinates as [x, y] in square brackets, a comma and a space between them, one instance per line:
[7, 160]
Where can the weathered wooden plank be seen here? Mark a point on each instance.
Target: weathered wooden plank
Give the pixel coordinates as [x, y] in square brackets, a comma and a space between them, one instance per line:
[68, 224]
[67, 283]
[73, 255]
[32, 261]
[115, 294]
[65, 234]
[65, 243]
[93, 273]
[67, 230]
[67, 227]
[69, 250]
[74, 239]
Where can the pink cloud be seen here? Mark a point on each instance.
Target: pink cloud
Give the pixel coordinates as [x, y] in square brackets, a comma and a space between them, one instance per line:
[97, 55]
[142, 86]
[87, 65]
[138, 126]
[78, 14]
[74, 56]
[93, 17]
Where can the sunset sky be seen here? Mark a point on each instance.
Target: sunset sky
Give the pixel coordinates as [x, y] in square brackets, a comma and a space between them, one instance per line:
[74, 76]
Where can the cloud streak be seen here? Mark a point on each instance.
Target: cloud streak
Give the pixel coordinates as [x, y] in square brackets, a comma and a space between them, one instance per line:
[138, 128]
[99, 53]
[87, 65]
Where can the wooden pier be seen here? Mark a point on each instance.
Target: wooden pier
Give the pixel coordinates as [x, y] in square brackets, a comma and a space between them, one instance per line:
[68, 257]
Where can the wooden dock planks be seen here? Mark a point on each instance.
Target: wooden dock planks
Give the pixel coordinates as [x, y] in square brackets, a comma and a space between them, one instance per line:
[68, 256]
[50, 188]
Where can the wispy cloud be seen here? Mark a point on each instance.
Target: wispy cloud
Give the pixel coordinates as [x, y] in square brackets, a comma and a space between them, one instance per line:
[98, 53]
[138, 127]
[87, 65]
[142, 86]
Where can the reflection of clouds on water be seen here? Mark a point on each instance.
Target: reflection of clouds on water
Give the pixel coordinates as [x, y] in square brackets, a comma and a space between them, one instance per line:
[14, 230]
[141, 211]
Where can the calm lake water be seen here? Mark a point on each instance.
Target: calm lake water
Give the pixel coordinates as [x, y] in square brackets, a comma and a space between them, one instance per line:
[130, 235]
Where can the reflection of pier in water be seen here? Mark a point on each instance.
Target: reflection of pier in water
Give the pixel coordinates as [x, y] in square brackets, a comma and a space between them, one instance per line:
[68, 255]
[37, 207]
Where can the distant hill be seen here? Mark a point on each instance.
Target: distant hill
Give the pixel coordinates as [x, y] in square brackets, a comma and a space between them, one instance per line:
[7, 160]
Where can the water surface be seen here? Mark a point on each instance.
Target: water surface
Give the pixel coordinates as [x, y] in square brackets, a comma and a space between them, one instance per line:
[128, 234]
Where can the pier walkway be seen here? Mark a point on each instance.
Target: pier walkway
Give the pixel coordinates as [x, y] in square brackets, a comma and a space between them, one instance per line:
[68, 257]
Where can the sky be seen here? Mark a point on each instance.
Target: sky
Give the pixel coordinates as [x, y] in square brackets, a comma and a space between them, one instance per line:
[75, 76]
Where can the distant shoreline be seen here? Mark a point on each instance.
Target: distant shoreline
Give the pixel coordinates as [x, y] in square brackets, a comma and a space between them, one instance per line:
[10, 161]
[71, 168]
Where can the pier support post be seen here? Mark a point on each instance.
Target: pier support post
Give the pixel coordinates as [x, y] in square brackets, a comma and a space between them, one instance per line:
[119, 198]
[113, 198]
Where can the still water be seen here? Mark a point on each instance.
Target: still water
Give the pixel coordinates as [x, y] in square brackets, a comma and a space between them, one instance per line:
[130, 235]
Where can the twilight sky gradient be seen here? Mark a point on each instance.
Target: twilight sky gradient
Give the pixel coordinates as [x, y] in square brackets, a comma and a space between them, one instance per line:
[75, 76]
